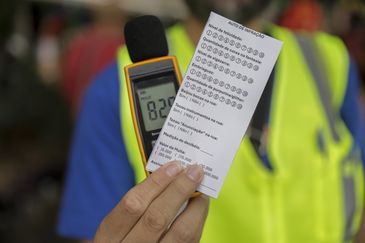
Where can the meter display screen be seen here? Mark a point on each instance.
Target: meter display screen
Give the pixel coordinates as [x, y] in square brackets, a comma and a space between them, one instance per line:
[155, 102]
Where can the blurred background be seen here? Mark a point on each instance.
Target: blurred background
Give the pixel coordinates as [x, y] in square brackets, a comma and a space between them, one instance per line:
[49, 53]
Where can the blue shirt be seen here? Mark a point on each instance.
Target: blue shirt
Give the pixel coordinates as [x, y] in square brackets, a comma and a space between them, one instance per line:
[99, 172]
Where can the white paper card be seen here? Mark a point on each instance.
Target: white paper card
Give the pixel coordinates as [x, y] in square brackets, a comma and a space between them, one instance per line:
[217, 98]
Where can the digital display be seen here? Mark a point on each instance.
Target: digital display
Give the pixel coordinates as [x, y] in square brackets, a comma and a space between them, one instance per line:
[155, 102]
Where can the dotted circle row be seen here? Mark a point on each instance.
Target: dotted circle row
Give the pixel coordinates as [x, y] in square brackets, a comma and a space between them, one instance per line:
[233, 58]
[211, 94]
[221, 83]
[221, 68]
[237, 44]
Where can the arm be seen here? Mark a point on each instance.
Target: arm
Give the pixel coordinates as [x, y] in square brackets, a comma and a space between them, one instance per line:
[351, 110]
[351, 113]
[98, 173]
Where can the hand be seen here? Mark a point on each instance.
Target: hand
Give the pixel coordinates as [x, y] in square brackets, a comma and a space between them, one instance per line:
[145, 213]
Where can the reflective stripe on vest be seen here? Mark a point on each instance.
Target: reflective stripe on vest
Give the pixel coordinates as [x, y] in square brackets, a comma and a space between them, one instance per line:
[314, 61]
[304, 198]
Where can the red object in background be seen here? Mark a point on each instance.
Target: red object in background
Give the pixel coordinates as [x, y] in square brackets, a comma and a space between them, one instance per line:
[85, 57]
[303, 15]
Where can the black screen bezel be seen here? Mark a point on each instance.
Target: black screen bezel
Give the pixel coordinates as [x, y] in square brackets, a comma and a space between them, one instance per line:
[145, 82]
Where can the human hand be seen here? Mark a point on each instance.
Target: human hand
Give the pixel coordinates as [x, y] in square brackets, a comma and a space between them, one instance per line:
[145, 213]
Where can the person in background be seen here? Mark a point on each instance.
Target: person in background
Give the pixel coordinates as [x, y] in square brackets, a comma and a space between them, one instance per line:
[93, 48]
[297, 176]
[303, 15]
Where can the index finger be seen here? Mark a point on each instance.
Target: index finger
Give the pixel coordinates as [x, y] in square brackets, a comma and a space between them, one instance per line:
[124, 216]
[164, 208]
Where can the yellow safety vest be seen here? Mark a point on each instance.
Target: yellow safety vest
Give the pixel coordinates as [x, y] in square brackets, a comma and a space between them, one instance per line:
[315, 192]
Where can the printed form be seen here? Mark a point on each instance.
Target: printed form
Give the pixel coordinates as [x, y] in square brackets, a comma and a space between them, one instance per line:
[217, 98]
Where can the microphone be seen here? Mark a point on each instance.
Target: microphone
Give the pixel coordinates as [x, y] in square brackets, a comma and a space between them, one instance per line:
[152, 80]
[145, 38]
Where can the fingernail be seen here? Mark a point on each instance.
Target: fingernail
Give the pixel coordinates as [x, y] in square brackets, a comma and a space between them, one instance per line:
[173, 169]
[195, 173]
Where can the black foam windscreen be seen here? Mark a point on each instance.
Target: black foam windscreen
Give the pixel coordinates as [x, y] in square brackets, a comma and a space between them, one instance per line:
[145, 38]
